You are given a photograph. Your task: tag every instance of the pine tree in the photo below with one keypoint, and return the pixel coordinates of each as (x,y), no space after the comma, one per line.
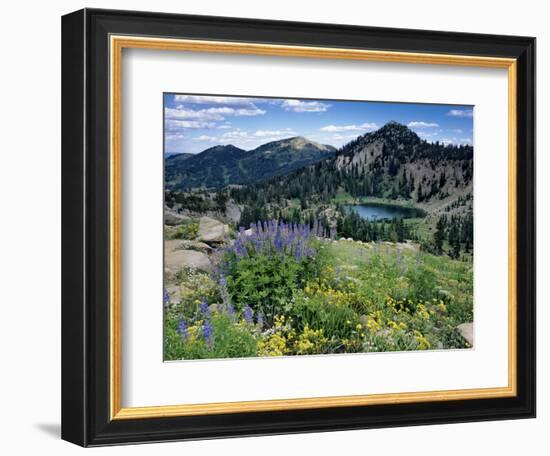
(439,235)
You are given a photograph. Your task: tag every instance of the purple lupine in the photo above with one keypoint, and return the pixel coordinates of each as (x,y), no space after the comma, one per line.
(183,330)
(298,253)
(166,297)
(230,309)
(225,296)
(274,237)
(247,314)
(204,310)
(278,244)
(208,332)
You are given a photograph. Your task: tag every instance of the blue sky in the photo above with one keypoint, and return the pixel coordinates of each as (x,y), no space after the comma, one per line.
(194,123)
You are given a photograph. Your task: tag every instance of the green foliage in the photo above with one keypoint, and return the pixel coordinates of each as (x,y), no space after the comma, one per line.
(194,286)
(350,298)
(229,339)
(187,231)
(265,283)
(316,312)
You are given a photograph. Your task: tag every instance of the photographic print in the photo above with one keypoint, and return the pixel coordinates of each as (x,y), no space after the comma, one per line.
(313,227)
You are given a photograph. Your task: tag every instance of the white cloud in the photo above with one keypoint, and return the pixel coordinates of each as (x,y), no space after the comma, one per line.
(420,124)
(235,134)
(425,135)
(304,106)
(181,113)
(461,113)
(205,138)
(340,128)
(227,111)
(174,125)
(203,99)
(341,137)
(273,133)
(175,136)
(211,113)
(248,112)
(225,126)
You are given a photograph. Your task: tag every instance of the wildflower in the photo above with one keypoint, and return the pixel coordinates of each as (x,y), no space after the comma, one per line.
(278,244)
(247,314)
(230,309)
(423,312)
(166,297)
(204,310)
(372,325)
(183,330)
(422,342)
(207,332)
(225,295)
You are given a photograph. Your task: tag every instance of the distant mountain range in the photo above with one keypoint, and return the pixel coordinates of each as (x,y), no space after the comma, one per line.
(219,166)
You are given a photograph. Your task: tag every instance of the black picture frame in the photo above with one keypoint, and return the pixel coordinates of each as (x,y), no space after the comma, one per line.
(85,225)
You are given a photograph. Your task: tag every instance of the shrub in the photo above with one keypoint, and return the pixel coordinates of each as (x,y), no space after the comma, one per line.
(263,268)
(188,231)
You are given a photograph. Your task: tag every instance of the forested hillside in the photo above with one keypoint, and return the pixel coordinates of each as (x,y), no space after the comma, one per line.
(391,163)
(225,165)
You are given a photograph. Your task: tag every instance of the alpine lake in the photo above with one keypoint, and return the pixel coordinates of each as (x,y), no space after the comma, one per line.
(381,211)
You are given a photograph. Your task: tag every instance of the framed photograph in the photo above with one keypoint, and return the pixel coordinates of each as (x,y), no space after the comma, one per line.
(279,227)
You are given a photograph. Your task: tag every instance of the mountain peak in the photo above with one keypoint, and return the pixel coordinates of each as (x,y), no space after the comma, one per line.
(395,127)
(298,143)
(222,148)
(393,133)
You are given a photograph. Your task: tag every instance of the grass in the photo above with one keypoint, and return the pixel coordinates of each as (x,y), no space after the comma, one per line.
(265,299)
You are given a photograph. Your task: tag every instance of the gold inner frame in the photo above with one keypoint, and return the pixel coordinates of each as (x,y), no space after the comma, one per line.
(117,44)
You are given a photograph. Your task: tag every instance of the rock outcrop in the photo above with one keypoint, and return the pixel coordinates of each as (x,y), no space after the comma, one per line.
(173,218)
(175,257)
(212,231)
(467,331)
